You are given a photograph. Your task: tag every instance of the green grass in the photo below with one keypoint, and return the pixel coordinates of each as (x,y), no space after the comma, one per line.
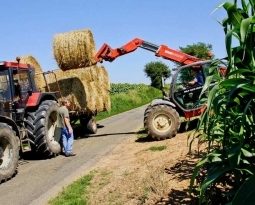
(77,193)
(129,100)
(157,148)
(74,194)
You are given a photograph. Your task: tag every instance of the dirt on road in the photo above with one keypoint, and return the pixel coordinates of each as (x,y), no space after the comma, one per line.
(144,171)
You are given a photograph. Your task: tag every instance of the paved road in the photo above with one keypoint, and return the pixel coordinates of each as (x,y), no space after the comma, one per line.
(39,180)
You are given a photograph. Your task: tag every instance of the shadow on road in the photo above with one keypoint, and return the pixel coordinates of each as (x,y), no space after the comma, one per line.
(108,134)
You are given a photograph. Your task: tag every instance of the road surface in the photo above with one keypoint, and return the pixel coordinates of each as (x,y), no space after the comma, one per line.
(38,181)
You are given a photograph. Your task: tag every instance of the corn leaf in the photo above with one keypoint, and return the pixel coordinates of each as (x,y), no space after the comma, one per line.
(210,179)
(246,194)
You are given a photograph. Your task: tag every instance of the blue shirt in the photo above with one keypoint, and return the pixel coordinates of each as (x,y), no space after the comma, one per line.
(199,79)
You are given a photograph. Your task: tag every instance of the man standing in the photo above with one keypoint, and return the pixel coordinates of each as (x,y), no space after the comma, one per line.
(66,129)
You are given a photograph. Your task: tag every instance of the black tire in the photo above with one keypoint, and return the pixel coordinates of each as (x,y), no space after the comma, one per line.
(47,136)
(89,124)
(161,122)
(9,153)
(148,109)
(29,123)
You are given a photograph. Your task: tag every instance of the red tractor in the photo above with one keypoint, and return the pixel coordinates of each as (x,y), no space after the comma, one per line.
(27,117)
(162,118)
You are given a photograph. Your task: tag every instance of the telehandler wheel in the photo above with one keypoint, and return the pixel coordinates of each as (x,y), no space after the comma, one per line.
(9,152)
(47,136)
(89,124)
(148,109)
(161,122)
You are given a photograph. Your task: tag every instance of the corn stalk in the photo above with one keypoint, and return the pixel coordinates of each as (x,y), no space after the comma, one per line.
(228,124)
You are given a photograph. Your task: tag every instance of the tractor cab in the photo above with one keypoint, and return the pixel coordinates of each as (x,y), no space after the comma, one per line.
(15,88)
(187,85)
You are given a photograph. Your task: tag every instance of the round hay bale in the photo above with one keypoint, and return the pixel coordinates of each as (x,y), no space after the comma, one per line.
(74,49)
(104,87)
(83,88)
(39,79)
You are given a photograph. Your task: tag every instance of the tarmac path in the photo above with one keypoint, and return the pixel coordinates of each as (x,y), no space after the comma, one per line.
(38,181)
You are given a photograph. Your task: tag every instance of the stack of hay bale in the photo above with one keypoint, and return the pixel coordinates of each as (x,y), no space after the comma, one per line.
(79,78)
(29,59)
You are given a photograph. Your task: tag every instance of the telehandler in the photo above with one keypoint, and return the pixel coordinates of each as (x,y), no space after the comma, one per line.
(162,118)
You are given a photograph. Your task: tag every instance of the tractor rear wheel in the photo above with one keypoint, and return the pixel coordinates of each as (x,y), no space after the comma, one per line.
(161,122)
(29,123)
(9,153)
(47,136)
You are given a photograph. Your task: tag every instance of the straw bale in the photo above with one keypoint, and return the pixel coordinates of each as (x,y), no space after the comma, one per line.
(104,87)
(39,79)
(74,49)
(83,88)
(3,82)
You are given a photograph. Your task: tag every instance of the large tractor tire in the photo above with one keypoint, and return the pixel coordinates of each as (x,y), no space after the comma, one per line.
(46,134)
(90,124)
(9,152)
(29,123)
(161,122)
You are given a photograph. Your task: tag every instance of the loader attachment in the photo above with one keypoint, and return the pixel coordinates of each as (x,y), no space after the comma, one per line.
(104,54)
(108,54)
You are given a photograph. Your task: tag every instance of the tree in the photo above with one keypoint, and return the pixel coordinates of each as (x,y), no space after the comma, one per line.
(199,50)
(155,70)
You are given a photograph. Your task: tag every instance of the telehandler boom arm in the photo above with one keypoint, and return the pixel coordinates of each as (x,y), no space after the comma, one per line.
(108,54)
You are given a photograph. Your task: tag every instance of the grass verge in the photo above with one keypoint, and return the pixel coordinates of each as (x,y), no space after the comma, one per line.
(129,100)
(78,192)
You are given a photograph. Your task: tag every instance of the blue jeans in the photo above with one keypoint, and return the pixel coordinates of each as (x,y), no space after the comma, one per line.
(67,140)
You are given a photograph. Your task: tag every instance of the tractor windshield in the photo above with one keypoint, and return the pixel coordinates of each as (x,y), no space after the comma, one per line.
(5,91)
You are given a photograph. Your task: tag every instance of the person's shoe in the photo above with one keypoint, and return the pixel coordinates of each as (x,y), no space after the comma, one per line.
(71,154)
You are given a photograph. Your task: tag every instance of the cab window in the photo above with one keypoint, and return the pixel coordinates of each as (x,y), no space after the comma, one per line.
(5,93)
(24,82)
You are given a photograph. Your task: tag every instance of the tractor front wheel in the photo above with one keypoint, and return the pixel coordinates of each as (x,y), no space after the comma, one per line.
(9,152)
(161,122)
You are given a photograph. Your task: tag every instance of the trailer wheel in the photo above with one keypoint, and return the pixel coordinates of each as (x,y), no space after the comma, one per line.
(47,136)
(89,124)
(161,122)
(9,153)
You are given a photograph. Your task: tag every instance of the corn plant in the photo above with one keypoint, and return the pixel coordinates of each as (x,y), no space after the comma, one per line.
(228,125)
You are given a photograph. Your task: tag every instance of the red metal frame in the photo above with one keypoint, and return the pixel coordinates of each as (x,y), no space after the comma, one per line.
(33,99)
(17,65)
(108,54)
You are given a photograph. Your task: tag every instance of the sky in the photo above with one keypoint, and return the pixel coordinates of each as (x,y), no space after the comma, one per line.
(28,27)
